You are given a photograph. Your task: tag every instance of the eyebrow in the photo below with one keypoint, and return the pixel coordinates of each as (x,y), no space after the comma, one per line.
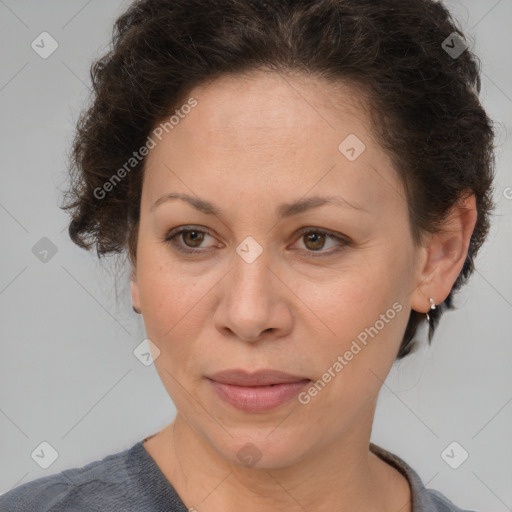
(283,211)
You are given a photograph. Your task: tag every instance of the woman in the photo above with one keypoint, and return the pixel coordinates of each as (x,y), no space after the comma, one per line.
(298,186)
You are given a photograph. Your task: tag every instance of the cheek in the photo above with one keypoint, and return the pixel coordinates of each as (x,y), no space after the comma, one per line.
(168,303)
(173,306)
(167,291)
(363,312)
(352,298)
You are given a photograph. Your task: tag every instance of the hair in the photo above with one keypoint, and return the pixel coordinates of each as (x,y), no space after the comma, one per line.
(423,102)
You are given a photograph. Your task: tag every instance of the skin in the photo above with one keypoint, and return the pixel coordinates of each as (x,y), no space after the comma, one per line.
(252,143)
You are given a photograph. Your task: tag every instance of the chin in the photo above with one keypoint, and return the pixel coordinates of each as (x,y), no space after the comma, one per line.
(269,448)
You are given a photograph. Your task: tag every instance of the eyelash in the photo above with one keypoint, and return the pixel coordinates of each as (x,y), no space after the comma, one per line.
(174,233)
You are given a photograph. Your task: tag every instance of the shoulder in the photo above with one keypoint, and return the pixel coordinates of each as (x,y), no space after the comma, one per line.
(99,484)
(423,499)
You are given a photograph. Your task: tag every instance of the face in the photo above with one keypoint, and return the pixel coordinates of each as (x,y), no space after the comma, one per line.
(321,293)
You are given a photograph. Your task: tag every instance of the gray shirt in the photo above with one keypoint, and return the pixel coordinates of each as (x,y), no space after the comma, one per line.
(131,481)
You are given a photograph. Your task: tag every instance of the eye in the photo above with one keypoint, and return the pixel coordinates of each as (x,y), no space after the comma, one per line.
(315,238)
(190,236)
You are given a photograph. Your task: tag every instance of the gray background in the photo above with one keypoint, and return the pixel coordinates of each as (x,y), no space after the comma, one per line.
(68,375)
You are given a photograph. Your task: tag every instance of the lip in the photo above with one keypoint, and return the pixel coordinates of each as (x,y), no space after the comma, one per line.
(256,392)
(238,377)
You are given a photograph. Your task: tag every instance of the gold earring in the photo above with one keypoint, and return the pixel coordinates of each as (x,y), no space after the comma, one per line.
(432,306)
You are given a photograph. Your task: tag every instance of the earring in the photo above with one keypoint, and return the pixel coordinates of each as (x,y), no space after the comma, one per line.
(432,306)
(136,310)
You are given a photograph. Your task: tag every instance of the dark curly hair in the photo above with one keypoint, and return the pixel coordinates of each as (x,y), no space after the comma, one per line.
(423,102)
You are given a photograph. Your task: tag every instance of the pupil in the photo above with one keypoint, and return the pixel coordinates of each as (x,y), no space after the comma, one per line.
(194,235)
(316,237)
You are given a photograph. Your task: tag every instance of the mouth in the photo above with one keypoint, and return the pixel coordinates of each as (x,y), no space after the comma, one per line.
(238,377)
(259,391)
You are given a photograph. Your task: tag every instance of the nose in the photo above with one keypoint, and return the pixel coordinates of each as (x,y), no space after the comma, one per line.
(254,303)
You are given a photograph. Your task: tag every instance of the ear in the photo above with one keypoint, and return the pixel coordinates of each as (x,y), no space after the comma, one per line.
(444,255)
(135,289)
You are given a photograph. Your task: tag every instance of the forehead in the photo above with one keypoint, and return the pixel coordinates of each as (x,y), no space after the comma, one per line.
(260,109)
(268,133)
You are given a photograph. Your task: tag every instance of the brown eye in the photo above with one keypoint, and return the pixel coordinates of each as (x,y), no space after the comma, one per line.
(192,238)
(314,240)
(187,240)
